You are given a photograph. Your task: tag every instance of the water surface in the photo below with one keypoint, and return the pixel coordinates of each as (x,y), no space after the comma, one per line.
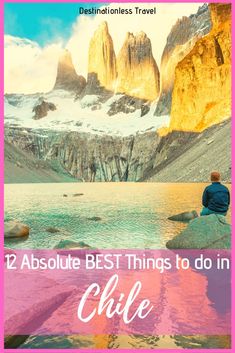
(132,215)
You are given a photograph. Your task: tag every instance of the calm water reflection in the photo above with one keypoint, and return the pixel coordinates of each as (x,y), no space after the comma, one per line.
(132,215)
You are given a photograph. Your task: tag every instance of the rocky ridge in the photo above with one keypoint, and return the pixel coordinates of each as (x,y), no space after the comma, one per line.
(180,42)
(192,157)
(202,89)
(134,72)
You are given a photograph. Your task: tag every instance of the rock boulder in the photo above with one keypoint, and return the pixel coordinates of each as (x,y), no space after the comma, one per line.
(70,244)
(207,232)
(42,108)
(52,230)
(15,229)
(184,217)
(95,218)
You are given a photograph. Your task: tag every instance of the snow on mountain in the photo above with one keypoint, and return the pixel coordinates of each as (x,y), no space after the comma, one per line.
(20,42)
(75,115)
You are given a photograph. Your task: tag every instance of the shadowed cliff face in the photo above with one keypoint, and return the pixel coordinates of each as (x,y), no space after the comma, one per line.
(202,89)
(106,158)
(90,157)
(180,42)
(67,77)
(138,74)
(101,61)
(140,157)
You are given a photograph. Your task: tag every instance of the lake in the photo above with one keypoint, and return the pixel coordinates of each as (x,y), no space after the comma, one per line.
(129,215)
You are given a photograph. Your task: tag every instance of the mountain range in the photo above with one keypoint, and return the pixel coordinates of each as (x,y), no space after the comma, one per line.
(127,119)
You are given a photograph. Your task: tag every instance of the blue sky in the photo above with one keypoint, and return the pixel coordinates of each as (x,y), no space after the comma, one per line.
(42,22)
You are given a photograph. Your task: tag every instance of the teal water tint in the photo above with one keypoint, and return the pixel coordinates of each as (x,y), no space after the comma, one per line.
(133,215)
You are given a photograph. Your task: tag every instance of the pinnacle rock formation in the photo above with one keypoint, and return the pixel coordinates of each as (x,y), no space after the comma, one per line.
(180,42)
(138,74)
(101,61)
(202,88)
(67,78)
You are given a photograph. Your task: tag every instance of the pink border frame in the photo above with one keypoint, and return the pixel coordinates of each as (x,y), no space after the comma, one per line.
(2,190)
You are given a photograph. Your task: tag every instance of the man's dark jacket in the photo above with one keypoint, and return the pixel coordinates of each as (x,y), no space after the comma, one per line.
(216,197)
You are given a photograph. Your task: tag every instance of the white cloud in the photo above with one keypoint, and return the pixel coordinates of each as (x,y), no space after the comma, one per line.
(30,68)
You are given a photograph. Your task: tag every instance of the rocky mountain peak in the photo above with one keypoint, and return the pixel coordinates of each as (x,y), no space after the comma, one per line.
(103,27)
(138,74)
(129,36)
(202,89)
(101,61)
(181,39)
(67,78)
(65,59)
(141,35)
(185,28)
(138,46)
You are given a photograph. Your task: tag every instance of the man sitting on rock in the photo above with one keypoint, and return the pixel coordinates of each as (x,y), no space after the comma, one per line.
(216,197)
